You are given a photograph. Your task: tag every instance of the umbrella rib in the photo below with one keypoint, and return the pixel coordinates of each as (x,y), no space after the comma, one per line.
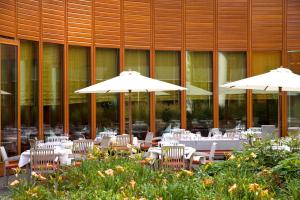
(266,88)
(107,91)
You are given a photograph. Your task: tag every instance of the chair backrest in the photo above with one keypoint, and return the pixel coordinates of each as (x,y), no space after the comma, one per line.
(213,132)
(82,146)
(122,140)
(32,143)
(3,154)
(43,160)
(148,139)
(172,156)
(105,142)
(212,151)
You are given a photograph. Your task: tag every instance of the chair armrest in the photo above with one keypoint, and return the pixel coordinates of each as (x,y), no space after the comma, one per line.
(13,158)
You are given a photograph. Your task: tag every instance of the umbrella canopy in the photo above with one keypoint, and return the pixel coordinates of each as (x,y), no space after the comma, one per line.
(270,81)
(280,79)
(2,92)
(130,81)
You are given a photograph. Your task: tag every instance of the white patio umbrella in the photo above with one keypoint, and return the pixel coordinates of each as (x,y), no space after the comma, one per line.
(2,92)
(130,81)
(280,79)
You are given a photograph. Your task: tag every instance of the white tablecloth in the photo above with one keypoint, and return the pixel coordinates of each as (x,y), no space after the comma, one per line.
(63,156)
(155,152)
(222,144)
(64,145)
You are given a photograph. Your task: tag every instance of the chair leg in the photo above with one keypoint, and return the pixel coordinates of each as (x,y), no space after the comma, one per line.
(6,176)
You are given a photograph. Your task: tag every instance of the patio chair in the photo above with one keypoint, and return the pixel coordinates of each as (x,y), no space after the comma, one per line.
(57,138)
(172,157)
(43,161)
(121,142)
(9,163)
(147,143)
(197,157)
(81,148)
(105,142)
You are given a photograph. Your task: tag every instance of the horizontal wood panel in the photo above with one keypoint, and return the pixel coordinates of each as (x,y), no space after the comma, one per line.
(293,24)
(80,21)
(267,24)
(168,30)
(199,24)
(107,23)
(232,24)
(29,19)
(54,20)
(137,23)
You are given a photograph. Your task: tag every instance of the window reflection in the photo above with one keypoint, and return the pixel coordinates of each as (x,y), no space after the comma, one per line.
(138,60)
(28,92)
(107,63)
(9,131)
(265,104)
(167,68)
(199,91)
(232,103)
(79,109)
(294,97)
(52,89)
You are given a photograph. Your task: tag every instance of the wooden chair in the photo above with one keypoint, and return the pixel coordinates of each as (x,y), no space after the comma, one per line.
(172,157)
(43,161)
(9,163)
(32,143)
(121,142)
(81,148)
(48,145)
(105,142)
(57,138)
(147,143)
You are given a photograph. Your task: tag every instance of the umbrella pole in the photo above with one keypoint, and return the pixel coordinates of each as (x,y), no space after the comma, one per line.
(129,117)
(279,112)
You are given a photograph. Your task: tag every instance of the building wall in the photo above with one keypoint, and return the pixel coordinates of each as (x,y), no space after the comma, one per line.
(181,25)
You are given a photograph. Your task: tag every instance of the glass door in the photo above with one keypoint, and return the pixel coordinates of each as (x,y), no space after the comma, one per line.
(9,98)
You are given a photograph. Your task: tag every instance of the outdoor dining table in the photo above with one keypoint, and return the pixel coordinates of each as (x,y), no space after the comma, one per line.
(223,144)
(63,156)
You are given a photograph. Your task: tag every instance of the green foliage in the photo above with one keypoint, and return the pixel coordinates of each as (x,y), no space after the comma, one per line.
(258,173)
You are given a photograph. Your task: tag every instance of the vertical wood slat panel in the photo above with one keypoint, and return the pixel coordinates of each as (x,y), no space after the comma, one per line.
(199,24)
(137,23)
(232,24)
(7,18)
(168,32)
(28,19)
(53,15)
(267,24)
(80,21)
(293,24)
(107,23)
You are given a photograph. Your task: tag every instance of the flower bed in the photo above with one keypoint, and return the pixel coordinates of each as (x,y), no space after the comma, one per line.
(257,173)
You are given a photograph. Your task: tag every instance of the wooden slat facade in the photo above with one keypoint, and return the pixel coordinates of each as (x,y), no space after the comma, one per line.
(293,25)
(267,24)
(232,25)
(178,25)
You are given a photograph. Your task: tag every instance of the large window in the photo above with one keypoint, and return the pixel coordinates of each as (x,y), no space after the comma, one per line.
(232,103)
(107,62)
(29,91)
(79,77)
(52,89)
(265,104)
(294,97)
(199,103)
(167,68)
(138,60)
(9,85)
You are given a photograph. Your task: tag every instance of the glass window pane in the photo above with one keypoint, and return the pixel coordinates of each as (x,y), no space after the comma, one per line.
(294,97)
(52,89)
(232,103)
(107,117)
(167,68)
(29,91)
(79,77)
(199,105)
(138,60)
(265,104)
(9,98)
